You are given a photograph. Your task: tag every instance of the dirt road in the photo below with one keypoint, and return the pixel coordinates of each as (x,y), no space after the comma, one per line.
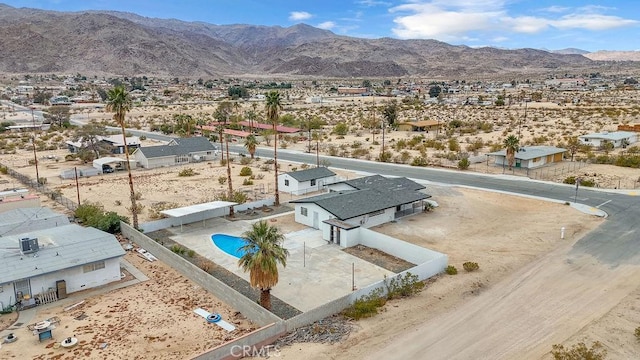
(544,303)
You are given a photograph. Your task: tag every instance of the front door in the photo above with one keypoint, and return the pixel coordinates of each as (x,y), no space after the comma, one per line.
(316,224)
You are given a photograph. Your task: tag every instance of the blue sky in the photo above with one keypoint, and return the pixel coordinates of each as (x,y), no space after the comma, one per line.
(542,24)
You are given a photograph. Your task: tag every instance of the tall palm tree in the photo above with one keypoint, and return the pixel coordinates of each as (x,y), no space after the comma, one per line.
(512,145)
(119,103)
(262,253)
(229,180)
(251,143)
(273,107)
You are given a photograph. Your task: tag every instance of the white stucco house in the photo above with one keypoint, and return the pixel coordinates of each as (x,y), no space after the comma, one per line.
(176,152)
(363,202)
(306,181)
(58,259)
(530,157)
(619,139)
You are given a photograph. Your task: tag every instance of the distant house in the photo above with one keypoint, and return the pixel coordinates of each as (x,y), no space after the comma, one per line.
(421,126)
(57,260)
(530,157)
(364,202)
(59,100)
(306,181)
(617,138)
(176,152)
(114,143)
(352,90)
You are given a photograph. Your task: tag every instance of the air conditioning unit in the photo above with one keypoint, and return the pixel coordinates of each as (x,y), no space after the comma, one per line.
(29,245)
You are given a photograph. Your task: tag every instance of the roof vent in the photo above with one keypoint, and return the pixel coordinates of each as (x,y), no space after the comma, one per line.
(28,246)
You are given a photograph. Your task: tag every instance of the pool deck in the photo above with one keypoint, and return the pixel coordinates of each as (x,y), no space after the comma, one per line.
(316,272)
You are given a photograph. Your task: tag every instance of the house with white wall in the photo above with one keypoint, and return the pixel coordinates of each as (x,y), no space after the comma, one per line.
(619,139)
(530,157)
(62,259)
(114,143)
(363,202)
(306,181)
(176,152)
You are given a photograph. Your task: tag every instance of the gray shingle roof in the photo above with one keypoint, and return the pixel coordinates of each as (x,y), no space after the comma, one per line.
(176,147)
(61,248)
(531,152)
(18,221)
(352,203)
(311,174)
(383,183)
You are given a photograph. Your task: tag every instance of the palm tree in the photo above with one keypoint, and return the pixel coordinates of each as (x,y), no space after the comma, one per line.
(229,180)
(262,253)
(251,143)
(273,107)
(511,144)
(119,103)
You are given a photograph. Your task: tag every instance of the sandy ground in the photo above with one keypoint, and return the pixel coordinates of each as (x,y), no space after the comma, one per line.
(149,320)
(526,297)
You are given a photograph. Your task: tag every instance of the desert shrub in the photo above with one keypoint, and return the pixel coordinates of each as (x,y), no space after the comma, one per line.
(93,215)
(187,172)
(464,164)
(385,156)
(471,266)
(260,176)
(4,170)
(223,162)
(42,180)
(366,306)
(419,161)
(245,160)
(451,270)
(403,286)
(178,249)
(247,182)
(191,253)
(222,180)
(237,197)
(245,171)
(138,195)
(579,351)
(155,209)
(205,265)
(570,180)
(637,333)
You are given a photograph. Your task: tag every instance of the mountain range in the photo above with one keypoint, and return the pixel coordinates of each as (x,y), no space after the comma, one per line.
(118,43)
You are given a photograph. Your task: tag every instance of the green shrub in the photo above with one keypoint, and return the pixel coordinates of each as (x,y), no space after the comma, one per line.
(464,164)
(637,333)
(222,180)
(366,306)
(191,253)
(579,351)
(187,172)
(246,171)
(570,180)
(245,160)
(178,249)
(93,215)
(247,182)
(451,270)
(403,286)
(4,170)
(470,266)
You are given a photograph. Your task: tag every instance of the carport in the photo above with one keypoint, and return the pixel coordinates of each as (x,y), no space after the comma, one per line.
(198,212)
(98,163)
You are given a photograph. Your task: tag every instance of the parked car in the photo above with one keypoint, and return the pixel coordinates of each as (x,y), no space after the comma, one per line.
(107,169)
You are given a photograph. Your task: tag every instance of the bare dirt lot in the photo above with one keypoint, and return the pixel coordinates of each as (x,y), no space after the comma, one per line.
(149,320)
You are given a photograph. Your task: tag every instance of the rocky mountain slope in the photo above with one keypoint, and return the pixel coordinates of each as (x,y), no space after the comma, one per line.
(127,44)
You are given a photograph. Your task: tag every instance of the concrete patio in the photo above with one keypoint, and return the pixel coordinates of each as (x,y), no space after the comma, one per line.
(316,272)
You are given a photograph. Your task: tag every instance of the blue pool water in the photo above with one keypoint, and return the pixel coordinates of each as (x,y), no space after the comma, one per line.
(229,244)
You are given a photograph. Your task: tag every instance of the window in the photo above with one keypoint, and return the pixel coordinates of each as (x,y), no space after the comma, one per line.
(93,266)
(303,211)
(313,182)
(286,182)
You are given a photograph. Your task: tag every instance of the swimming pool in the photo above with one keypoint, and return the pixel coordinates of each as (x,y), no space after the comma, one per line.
(229,244)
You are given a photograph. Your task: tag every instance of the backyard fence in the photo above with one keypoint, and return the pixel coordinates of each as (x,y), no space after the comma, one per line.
(42,188)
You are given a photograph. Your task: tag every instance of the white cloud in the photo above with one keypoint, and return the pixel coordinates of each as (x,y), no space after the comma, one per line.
(327,25)
(299,15)
(459,20)
(371,3)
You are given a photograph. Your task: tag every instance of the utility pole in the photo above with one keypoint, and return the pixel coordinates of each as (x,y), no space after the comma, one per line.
(525,118)
(77,185)
(317,149)
(35,156)
(382,153)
